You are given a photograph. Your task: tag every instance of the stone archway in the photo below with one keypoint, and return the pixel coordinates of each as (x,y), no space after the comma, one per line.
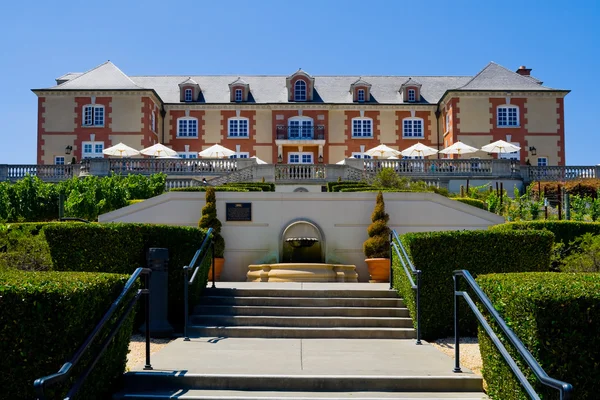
(302,241)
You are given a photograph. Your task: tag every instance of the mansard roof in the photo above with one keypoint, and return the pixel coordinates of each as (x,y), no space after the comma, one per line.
(238,82)
(360,82)
(327,89)
(411,82)
(188,82)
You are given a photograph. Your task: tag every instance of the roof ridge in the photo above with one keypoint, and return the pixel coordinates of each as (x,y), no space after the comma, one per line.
(323,76)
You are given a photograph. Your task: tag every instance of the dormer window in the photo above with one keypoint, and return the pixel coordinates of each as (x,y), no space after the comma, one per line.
(188,95)
(361,95)
(412,95)
(239,90)
(238,95)
(300,90)
(189,91)
(410,91)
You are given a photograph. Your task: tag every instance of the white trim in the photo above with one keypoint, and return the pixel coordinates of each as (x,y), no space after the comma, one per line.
(508,118)
(298,89)
(413,128)
(241,154)
(94,116)
(235,95)
(188,127)
(300,155)
(95,149)
(59,158)
(239,122)
(360,155)
(191,95)
(362,125)
(358,95)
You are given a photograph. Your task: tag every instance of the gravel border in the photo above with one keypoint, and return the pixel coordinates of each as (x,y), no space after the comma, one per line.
(470,356)
(137,350)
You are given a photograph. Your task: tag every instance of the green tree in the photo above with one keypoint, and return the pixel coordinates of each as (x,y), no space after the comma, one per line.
(209,220)
(388,178)
(378,244)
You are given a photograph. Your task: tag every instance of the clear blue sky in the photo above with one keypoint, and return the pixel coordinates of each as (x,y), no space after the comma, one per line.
(41,40)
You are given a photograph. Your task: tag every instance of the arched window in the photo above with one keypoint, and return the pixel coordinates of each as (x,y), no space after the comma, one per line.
(300,90)
(508,115)
(300,128)
(237,127)
(412,128)
(362,127)
(187,127)
(93,115)
(188,95)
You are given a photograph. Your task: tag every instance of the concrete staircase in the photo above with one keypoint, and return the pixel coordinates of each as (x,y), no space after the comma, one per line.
(336,341)
(268,313)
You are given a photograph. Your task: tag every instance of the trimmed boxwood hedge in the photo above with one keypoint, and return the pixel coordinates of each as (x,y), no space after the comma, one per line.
(264,186)
(437,254)
(44,317)
(336,186)
(472,202)
(564,231)
(557,317)
(121,248)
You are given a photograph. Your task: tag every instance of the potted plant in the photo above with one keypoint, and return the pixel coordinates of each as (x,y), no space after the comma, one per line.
(209,220)
(377,246)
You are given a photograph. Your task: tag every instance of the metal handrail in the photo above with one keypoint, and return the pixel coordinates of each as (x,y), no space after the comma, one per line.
(565,389)
(65,371)
(396,245)
(208,241)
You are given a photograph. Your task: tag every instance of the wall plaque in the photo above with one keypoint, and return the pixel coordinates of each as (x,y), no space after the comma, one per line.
(238,211)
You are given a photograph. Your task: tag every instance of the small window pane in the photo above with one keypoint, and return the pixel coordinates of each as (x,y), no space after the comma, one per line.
(238,94)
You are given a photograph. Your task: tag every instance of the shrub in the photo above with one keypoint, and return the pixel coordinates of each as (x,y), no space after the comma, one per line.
(580,187)
(209,219)
(437,254)
(130,202)
(557,317)
(45,316)
(388,178)
(585,256)
(336,186)
(264,186)
(472,202)
(378,243)
(564,231)
(121,248)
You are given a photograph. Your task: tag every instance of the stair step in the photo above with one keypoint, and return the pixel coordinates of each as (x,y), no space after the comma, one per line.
(270,395)
(303,301)
(303,311)
(305,322)
(172,381)
(301,332)
(300,293)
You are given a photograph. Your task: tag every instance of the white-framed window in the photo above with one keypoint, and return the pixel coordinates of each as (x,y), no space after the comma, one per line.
(59,160)
(412,95)
(238,95)
(187,127)
(515,155)
(300,128)
(238,127)
(362,127)
(542,161)
(300,158)
(188,95)
(508,115)
(93,115)
(92,149)
(447,122)
(413,157)
(412,128)
(153,121)
(360,95)
(241,154)
(300,90)
(187,154)
(360,155)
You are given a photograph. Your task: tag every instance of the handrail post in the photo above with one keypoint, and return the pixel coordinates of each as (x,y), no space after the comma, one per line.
(418,307)
(147,287)
(456,333)
(186,338)
(212,245)
(391,259)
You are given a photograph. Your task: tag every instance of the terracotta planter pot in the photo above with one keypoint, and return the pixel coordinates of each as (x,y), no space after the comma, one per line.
(219,262)
(379,269)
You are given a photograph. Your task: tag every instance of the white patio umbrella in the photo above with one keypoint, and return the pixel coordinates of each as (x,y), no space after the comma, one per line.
(500,146)
(121,150)
(159,150)
(216,151)
(459,148)
(258,160)
(418,150)
(382,151)
(393,158)
(169,157)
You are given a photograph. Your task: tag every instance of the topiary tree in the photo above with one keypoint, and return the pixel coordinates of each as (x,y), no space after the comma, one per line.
(378,243)
(209,220)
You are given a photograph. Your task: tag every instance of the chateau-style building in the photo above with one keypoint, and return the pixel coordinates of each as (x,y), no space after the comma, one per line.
(300,118)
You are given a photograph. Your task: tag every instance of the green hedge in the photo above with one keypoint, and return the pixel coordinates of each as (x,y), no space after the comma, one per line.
(44,317)
(217,189)
(557,317)
(336,186)
(121,248)
(472,202)
(564,231)
(437,254)
(264,186)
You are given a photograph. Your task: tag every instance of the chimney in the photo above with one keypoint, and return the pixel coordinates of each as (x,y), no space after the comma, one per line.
(523,70)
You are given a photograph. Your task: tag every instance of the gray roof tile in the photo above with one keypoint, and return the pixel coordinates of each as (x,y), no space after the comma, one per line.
(496,77)
(105,76)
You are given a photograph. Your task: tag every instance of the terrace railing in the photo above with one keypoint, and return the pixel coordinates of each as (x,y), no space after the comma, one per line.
(535,173)
(436,167)
(304,172)
(300,132)
(46,172)
(192,166)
